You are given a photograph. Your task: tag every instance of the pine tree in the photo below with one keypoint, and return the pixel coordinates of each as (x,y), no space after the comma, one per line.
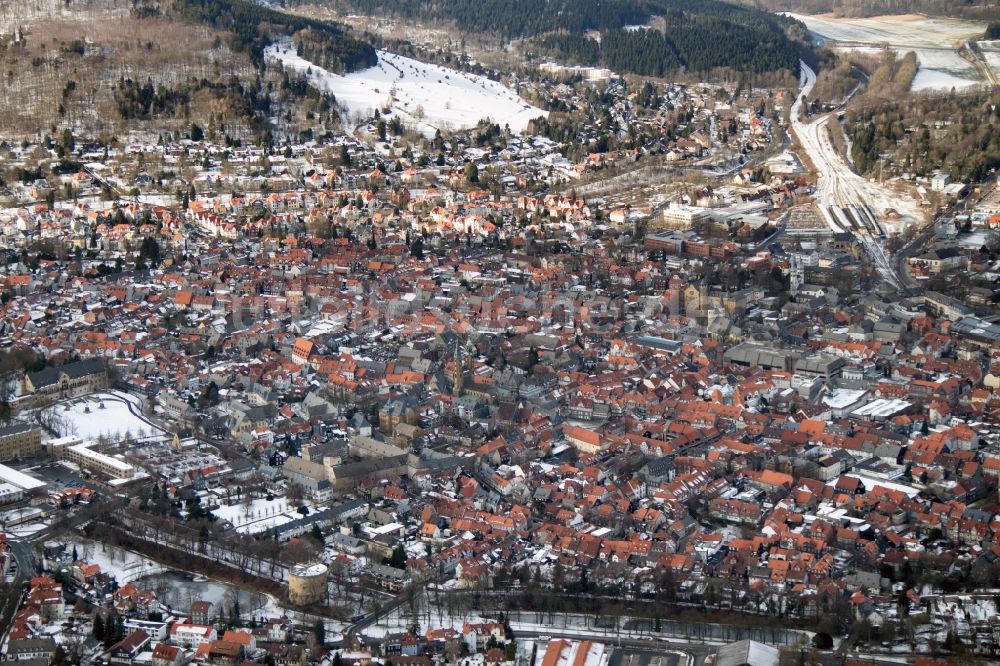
(398,559)
(472,172)
(319,631)
(98,630)
(317,534)
(417,249)
(110,630)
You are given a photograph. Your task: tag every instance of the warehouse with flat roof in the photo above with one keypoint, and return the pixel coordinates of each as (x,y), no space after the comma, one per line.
(25,482)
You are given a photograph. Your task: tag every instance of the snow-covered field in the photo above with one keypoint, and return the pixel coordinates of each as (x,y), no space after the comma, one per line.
(936,42)
(991,54)
(125,565)
(260,515)
(908,30)
(426,97)
(943,69)
(86,418)
(936,79)
(178,590)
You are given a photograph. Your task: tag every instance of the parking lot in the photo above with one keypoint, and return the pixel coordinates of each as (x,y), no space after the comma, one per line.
(624,657)
(59,475)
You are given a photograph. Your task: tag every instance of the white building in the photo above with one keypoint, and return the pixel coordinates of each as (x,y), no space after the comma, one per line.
(678,214)
(192,635)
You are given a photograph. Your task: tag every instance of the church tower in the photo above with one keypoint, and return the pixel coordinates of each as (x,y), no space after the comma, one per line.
(457,372)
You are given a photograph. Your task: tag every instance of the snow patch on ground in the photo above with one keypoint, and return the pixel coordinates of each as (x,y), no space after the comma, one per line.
(426,97)
(28,530)
(965,614)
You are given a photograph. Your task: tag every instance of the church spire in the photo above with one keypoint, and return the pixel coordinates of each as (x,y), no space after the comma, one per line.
(457,371)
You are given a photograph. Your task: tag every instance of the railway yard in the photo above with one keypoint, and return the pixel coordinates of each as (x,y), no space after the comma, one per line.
(846,201)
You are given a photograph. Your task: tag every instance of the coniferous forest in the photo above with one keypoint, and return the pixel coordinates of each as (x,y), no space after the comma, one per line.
(696,37)
(957,134)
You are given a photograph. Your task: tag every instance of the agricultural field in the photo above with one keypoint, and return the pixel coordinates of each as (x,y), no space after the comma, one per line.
(910,31)
(944,69)
(936,41)
(991,54)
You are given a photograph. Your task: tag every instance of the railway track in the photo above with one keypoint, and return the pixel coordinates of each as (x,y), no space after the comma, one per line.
(842,196)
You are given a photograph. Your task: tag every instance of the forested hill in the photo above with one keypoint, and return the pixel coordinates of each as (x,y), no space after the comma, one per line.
(972,9)
(691,41)
(697,36)
(253,26)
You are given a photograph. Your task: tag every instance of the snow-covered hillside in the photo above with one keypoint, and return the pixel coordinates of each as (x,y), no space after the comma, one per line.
(427,97)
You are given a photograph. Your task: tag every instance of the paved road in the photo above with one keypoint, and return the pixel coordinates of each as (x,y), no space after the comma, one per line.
(27,567)
(27,561)
(909,250)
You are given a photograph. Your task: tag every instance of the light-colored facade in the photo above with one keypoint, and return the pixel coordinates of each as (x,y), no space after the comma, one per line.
(19,440)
